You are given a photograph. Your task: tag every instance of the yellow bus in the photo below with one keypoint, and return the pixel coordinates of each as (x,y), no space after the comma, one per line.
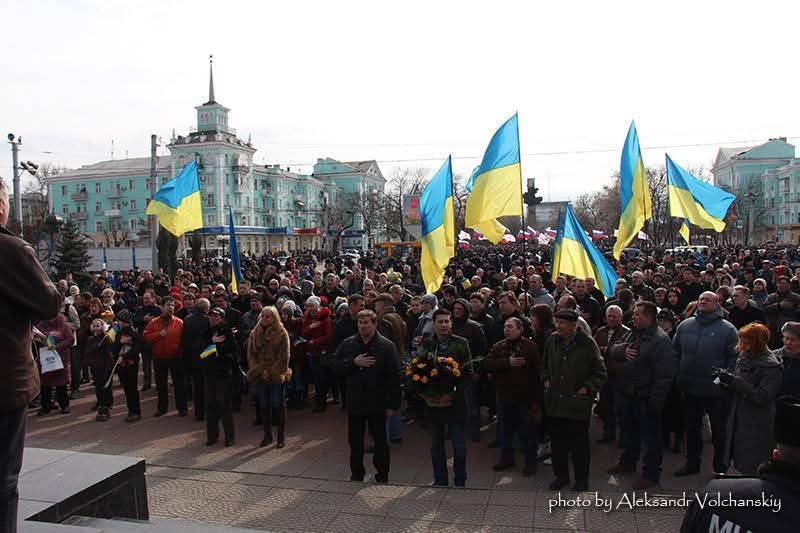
(389,249)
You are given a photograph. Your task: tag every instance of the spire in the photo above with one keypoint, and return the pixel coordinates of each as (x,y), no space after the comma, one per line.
(211,80)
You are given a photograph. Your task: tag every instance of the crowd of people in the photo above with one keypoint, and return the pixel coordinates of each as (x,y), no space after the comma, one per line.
(685,338)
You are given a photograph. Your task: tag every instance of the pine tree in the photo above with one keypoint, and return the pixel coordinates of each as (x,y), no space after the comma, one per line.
(71,253)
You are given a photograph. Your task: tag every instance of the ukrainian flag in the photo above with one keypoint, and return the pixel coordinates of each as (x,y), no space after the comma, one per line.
(438,227)
(209,350)
(236,268)
(684,230)
(496,184)
(177,205)
(696,201)
(575,255)
(635,204)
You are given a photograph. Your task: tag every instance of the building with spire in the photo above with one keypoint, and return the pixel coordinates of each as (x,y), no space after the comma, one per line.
(273,208)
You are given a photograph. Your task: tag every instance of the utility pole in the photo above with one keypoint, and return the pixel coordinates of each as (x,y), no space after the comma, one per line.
(15,179)
(153,188)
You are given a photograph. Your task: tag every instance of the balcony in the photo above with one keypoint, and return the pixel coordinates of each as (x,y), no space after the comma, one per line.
(79,196)
(116,193)
(300,199)
(241,188)
(266,192)
(79,215)
(113,213)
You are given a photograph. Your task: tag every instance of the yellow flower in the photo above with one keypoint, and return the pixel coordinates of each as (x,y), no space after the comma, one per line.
(434,373)
(415,378)
(454,364)
(457,373)
(424,379)
(414,361)
(408,372)
(450,360)
(421,365)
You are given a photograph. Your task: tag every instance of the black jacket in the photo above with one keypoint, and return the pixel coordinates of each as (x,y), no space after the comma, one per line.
(742,317)
(779,481)
(195,337)
(224,362)
(649,375)
(369,389)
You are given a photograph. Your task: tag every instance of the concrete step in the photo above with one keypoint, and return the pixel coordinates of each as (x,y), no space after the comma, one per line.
(29,526)
(125,525)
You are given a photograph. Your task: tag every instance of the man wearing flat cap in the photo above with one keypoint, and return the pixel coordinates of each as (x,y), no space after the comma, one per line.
(776,490)
(572,374)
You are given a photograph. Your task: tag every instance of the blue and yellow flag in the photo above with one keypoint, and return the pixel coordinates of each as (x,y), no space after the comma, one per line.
(696,201)
(209,350)
(684,230)
(635,204)
(575,255)
(438,227)
(236,267)
(177,205)
(496,184)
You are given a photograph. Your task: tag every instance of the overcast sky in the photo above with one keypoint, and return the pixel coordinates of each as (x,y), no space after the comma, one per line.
(403,80)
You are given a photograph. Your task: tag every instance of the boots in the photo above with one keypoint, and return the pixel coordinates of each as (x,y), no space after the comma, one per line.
(279,418)
(265,417)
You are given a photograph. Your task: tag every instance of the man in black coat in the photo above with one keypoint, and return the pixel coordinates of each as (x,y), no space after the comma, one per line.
(744,310)
(370,363)
(345,327)
(194,341)
(645,365)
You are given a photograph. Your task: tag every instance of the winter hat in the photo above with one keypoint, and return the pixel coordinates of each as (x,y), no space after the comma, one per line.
(124,316)
(307,286)
(313,301)
(430,299)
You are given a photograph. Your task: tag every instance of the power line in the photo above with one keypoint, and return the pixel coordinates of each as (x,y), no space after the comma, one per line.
(472,157)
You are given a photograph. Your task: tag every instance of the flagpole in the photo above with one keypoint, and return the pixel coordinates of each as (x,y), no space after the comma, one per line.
(521,193)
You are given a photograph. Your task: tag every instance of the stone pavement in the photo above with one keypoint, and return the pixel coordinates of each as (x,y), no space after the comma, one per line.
(305,487)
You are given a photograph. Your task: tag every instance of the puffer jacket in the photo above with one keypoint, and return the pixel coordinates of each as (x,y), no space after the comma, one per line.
(703,342)
(168,347)
(317,331)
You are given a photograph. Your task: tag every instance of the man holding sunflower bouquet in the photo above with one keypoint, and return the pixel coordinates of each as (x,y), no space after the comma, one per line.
(439,373)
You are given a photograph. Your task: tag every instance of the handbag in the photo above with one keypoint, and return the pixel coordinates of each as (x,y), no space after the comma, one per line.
(51,361)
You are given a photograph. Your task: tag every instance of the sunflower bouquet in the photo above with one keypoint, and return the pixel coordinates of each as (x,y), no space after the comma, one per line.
(433,377)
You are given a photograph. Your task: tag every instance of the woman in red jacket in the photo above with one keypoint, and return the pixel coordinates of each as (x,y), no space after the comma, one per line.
(317,329)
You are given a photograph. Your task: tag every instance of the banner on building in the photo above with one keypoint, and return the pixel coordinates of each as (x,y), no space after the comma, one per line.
(411,218)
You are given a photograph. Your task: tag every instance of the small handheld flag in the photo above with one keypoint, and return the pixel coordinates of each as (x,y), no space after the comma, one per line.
(51,342)
(209,350)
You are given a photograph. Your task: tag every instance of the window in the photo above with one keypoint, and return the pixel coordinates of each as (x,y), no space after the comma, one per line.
(134,224)
(133,205)
(99,225)
(97,188)
(83,227)
(131,185)
(65,209)
(63,190)
(97,207)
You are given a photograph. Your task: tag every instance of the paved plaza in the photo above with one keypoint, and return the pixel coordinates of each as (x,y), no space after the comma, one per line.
(305,487)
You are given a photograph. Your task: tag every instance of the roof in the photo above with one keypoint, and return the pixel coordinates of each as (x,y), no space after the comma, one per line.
(727,153)
(133,165)
(360,166)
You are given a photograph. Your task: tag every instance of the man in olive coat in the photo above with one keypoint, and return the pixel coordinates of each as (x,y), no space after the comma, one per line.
(572,374)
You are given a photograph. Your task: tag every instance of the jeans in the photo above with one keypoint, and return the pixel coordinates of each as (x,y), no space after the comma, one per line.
(394,425)
(640,425)
(717,410)
(103,394)
(269,395)
(12,443)
(147,364)
(320,376)
(175,368)
(474,407)
(128,376)
(567,436)
(514,417)
(439,456)
(217,396)
(356,424)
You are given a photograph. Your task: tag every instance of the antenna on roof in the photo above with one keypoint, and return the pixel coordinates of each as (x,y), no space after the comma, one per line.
(112,149)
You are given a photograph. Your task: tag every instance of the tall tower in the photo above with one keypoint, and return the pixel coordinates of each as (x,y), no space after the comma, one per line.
(211,116)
